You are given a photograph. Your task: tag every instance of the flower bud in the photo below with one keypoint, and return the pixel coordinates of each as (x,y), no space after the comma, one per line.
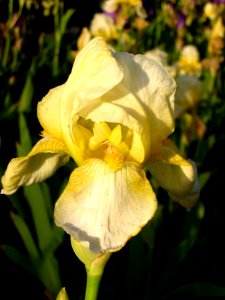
(62,295)
(94,262)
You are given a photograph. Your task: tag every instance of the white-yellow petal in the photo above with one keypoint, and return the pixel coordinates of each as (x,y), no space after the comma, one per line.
(103,207)
(44,159)
(48,112)
(190,199)
(106,111)
(137,151)
(113,113)
(175,174)
(101,133)
(104,26)
(188,93)
(95,72)
(158,54)
(154,90)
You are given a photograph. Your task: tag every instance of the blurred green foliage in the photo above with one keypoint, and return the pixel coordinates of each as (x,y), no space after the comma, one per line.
(178,254)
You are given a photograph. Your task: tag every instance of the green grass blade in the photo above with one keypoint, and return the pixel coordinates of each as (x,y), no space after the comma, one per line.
(25,140)
(199,290)
(20,259)
(26,236)
(27,92)
(49,274)
(40,216)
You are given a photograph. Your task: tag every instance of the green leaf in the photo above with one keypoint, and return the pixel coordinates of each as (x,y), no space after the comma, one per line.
(65,19)
(27,92)
(203,178)
(47,196)
(25,140)
(199,290)
(189,231)
(48,274)
(20,259)
(26,236)
(42,220)
(18,204)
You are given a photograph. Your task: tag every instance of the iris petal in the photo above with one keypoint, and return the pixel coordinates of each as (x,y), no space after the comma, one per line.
(44,159)
(175,174)
(95,71)
(105,207)
(154,89)
(48,112)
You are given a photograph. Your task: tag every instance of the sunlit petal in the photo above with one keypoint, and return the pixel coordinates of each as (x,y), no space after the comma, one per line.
(101,133)
(154,89)
(190,199)
(95,71)
(175,174)
(44,159)
(48,112)
(105,207)
(143,101)
(113,113)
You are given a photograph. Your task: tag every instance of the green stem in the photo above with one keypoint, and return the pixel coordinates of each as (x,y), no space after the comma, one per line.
(57,40)
(92,286)
(8,39)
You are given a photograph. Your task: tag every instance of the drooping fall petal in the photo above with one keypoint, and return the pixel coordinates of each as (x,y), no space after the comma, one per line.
(190,199)
(44,159)
(176,175)
(105,207)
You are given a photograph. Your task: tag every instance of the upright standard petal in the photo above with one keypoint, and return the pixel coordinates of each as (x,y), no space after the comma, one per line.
(105,207)
(154,89)
(95,71)
(143,101)
(48,112)
(44,159)
(176,175)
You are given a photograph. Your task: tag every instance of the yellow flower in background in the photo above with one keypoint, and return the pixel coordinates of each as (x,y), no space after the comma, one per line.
(211,11)
(189,61)
(218,30)
(189,87)
(111,6)
(103,26)
(188,93)
(84,38)
(112,116)
(216,39)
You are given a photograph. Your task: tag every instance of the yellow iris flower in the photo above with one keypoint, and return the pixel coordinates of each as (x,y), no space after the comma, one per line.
(103,25)
(112,116)
(189,61)
(113,6)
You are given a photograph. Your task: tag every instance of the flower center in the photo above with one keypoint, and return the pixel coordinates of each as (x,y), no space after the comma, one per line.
(108,145)
(115,156)
(113,143)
